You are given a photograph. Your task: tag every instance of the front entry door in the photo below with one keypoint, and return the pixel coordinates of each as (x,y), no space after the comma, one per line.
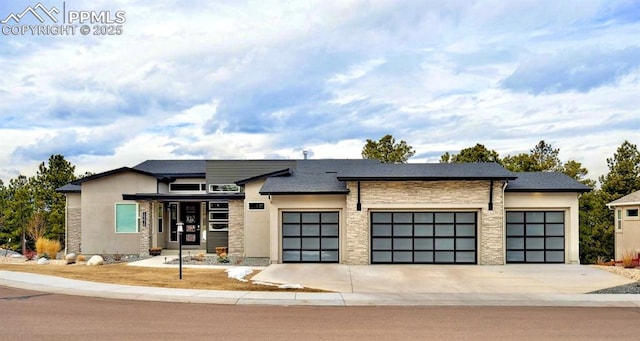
(190,216)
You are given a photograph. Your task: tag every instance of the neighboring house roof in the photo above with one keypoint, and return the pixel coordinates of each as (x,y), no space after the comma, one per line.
(545,182)
(174,168)
(427,171)
(627,200)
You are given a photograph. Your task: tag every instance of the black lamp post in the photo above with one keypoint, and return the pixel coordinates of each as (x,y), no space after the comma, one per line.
(180,230)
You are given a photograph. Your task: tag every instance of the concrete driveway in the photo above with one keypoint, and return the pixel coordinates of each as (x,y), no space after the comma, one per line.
(489,279)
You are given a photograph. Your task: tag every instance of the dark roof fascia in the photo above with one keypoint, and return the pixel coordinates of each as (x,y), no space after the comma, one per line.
(282,172)
(548,190)
(181,197)
(305,193)
(423,178)
(112,172)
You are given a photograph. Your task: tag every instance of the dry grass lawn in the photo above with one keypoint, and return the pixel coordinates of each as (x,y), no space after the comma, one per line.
(208,279)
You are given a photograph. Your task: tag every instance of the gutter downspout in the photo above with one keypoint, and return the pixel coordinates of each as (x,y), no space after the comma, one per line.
(359,204)
(504,224)
(491,195)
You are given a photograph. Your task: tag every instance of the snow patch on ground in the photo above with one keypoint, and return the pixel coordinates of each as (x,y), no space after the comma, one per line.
(280,286)
(239,272)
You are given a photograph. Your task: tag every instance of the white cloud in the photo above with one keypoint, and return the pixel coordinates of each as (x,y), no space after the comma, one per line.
(253,79)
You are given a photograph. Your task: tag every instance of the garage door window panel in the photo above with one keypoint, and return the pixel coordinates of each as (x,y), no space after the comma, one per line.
(403,230)
(444,244)
(330,230)
(444,257)
(381,257)
(444,217)
(421,217)
(403,256)
(423,244)
(465,244)
(468,257)
(381,230)
(381,244)
(421,230)
(402,244)
(445,230)
(423,257)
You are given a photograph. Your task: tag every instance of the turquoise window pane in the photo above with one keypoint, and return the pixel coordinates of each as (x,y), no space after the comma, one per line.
(126,218)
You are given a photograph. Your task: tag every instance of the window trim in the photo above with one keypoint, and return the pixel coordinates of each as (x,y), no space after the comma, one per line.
(213,218)
(212,229)
(628,216)
(115,218)
(619,219)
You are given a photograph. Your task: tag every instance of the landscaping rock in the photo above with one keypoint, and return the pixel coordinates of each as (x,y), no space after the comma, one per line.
(43,261)
(70,258)
(95,260)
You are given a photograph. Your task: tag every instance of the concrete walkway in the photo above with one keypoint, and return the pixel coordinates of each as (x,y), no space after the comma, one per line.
(526,285)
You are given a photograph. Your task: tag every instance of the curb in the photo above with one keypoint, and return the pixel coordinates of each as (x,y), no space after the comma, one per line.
(57,285)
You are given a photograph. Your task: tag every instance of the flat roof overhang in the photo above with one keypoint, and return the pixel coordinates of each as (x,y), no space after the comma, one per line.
(181,197)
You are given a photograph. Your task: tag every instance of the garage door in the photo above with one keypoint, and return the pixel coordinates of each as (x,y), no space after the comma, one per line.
(423,237)
(310,237)
(535,237)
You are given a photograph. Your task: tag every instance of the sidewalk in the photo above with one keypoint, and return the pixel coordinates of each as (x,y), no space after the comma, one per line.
(65,286)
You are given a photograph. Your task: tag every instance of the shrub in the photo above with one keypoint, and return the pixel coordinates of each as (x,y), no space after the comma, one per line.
(117,257)
(50,247)
(627,260)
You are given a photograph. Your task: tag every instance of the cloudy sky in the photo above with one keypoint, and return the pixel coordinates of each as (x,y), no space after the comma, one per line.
(268,79)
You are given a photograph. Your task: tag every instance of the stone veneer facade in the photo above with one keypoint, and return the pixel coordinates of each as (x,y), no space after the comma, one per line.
(74,230)
(236,228)
(145,231)
(425,195)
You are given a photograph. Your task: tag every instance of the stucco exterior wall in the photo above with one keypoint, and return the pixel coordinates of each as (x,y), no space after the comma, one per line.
(256,222)
(425,195)
(73,223)
(567,202)
(315,203)
(627,237)
(98,200)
